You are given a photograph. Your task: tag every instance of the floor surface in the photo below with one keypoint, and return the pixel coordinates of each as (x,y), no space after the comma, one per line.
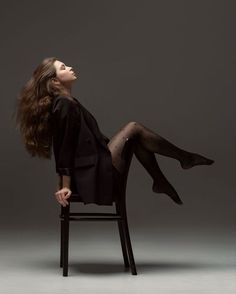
(166,262)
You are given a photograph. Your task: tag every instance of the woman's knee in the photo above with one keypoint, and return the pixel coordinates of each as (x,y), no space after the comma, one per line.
(133,128)
(133,124)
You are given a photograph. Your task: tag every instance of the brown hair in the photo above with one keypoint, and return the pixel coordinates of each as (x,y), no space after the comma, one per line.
(33,109)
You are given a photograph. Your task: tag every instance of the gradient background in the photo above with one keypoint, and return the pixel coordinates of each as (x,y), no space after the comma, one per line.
(168,64)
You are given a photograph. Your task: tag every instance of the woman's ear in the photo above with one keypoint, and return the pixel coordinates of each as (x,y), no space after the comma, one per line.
(55,81)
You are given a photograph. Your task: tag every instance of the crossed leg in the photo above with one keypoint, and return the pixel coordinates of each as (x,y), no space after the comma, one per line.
(146,143)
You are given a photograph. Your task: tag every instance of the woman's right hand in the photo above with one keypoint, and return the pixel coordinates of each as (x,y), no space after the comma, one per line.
(62,195)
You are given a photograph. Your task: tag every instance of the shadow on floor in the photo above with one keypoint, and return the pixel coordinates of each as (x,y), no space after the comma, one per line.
(118,267)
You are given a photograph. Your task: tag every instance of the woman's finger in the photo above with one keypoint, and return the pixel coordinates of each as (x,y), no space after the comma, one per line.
(60,198)
(66,202)
(65,196)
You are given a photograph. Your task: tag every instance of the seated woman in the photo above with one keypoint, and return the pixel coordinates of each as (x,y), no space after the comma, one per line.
(87,162)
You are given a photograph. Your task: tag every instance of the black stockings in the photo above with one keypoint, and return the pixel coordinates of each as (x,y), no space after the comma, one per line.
(146,143)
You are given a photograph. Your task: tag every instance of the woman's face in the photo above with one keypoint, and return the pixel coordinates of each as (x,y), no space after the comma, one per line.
(64,73)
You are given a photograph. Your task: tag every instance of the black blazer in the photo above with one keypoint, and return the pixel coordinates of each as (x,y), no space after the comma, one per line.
(80,151)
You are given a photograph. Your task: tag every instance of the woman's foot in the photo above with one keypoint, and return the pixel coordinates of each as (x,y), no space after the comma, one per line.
(163,186)
(192,159)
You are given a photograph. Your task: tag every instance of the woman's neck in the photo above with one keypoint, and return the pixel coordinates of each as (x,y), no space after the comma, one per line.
(67,90)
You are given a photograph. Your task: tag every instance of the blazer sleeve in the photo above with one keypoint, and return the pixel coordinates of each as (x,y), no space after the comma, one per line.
(106,138)
(66,125)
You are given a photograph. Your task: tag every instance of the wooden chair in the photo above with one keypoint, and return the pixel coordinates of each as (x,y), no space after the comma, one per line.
(120,216)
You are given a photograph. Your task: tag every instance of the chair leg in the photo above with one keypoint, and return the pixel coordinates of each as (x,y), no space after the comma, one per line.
(65,239)
(127,237)
(123,245)
(61,243)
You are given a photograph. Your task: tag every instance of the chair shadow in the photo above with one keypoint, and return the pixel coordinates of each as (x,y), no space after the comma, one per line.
(101,268)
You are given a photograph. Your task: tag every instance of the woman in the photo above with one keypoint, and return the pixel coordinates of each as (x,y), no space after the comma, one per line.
(85,158)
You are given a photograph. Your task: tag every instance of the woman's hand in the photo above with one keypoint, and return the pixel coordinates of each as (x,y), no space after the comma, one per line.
(62,195)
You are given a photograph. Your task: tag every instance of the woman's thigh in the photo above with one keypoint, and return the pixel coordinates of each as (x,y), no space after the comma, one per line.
(118,144)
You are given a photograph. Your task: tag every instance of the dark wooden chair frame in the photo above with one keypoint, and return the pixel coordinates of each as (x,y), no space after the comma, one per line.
(120,216)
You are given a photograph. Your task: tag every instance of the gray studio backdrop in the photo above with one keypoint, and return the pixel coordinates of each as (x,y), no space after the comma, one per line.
(167,64)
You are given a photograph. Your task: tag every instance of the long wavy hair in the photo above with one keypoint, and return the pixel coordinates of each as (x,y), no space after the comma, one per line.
(32,114)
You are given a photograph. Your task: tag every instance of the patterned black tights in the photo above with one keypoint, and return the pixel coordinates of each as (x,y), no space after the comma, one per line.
(146,143)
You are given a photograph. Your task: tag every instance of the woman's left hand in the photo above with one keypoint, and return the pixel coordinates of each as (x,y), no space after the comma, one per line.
(62,195)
